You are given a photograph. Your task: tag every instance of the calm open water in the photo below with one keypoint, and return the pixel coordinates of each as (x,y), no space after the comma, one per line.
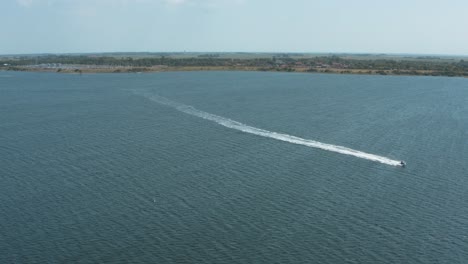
(92,170)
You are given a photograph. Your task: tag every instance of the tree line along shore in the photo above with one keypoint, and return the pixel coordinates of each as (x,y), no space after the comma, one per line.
(426,66)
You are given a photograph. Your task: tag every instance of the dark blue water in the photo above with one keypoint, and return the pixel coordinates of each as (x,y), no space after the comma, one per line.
(90,171)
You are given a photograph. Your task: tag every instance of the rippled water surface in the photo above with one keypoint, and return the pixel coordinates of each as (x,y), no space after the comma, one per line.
(93,170)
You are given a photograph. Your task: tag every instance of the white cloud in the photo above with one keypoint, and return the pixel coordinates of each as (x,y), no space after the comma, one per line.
(30,3)
(204,3)
(176,2)
(94,3)
(25,3)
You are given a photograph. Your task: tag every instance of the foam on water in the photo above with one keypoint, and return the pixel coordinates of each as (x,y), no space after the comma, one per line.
(226,122)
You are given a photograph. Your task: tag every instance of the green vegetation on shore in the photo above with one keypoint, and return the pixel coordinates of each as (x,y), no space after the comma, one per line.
(396,65)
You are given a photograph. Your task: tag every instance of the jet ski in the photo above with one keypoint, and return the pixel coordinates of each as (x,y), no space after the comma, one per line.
(402,164)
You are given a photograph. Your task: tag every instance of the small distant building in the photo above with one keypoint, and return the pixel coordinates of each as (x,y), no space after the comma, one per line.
(322,65)
(6,64)
(339,65)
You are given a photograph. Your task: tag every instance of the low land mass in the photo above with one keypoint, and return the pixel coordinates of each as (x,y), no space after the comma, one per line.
(381,64)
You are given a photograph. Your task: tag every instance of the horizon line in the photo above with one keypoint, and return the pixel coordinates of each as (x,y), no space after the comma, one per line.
(237,52)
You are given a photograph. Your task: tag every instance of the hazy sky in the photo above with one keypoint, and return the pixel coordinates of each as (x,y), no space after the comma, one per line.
(376,26)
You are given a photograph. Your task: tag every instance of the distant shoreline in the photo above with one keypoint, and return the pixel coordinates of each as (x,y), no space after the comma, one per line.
(91,70)
(336,64)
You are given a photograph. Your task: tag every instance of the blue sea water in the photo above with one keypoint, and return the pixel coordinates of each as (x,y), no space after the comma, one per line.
(92,170)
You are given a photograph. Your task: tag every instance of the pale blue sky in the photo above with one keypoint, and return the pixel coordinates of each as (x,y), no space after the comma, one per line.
(396,26)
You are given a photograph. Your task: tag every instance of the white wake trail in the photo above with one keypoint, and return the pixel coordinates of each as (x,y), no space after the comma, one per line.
(226,122)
